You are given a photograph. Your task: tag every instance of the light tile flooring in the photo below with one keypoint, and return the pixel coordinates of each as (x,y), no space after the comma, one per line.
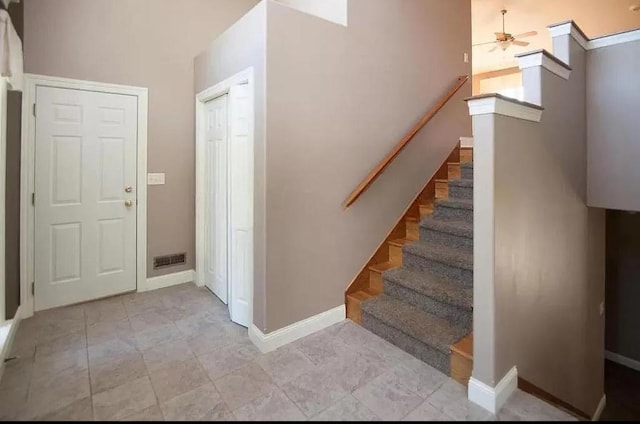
(173,354)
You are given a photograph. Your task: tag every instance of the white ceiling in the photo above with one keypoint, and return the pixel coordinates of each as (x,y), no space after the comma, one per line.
(594,17)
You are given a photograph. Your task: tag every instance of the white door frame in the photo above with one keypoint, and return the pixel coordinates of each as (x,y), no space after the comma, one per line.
(27,176)
(243,77)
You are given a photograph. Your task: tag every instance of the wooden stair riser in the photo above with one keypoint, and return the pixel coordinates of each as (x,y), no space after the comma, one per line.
(454,170)
(395,251)
(375,281)
(461,368)
(354,313)
(354,301)
(425,210)
(413,229)
(466,154)
(395,254)
(462,359)
(442,189)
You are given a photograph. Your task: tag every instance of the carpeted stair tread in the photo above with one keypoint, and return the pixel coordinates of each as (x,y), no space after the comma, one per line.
(442,254)
(465,204)
(466,170)
(456,228)
(432,286)
(436,332)
(462,182)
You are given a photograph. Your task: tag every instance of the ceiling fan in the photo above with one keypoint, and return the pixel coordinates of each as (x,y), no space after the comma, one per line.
(504,40)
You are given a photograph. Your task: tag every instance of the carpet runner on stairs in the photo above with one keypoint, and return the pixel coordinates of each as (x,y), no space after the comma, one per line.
(427,304)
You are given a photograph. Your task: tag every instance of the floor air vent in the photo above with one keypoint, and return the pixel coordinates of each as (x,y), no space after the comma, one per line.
(169,260)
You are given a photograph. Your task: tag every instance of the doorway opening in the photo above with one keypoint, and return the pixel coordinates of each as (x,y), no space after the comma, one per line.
(224,193)
(622,294)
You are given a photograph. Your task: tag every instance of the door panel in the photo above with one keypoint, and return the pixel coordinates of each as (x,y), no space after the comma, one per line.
(85,234)
(216,198)
(66,166)
(66,251)
(241,205)
(111,173)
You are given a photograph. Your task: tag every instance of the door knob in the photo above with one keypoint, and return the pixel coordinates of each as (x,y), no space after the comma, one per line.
(128,203)
(129,189)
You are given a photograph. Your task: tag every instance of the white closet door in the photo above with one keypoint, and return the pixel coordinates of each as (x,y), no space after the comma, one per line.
(85,196)
(216,198)
(241,204)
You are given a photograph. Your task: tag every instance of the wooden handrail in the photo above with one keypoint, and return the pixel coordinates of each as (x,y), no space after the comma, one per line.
(373,175)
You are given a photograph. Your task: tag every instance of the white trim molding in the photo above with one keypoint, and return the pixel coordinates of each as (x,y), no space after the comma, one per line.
(600,409)
(569,28)
(27,183)
(275,339)
(500,105)
(545,60)
(493,398)
(466,142)
(613,39)
(169,280)
(7,335)
(622,360)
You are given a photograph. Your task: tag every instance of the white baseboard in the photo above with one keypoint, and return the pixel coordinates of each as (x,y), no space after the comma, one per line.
(493,398)
(466,142)
(7,335)
(169,280)
(601,406)
(622,360)
(297,330)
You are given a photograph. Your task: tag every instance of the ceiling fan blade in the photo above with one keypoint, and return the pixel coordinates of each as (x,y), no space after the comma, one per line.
(520,43)
(482,44)
(526,34)
(493,49)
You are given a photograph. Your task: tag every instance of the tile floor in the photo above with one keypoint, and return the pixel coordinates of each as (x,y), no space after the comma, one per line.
(173,354)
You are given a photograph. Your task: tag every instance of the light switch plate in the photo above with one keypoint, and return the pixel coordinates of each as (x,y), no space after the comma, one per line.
(155,178)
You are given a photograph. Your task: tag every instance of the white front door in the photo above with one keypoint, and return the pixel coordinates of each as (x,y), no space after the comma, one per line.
(241,204)
(85,196)
(216,197)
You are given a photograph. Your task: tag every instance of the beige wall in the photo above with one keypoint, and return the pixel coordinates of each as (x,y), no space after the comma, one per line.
(240,47)
(614,127)
(331,10)
(147,43)
(338,100)
(549,246)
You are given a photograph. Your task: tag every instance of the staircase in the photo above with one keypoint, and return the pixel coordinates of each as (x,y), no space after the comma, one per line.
(423,302)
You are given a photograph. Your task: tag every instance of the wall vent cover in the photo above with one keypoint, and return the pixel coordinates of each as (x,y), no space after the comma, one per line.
(169,260)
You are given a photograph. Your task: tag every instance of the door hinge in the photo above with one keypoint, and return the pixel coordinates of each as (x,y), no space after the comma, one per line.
(33,199)
(34,109)
(33,288)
